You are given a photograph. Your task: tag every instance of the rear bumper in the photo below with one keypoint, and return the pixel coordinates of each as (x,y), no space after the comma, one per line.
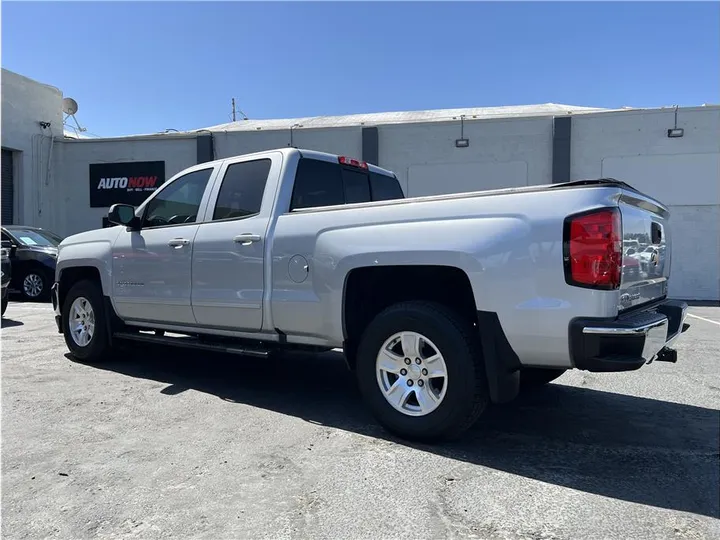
(56,307)
(629,341)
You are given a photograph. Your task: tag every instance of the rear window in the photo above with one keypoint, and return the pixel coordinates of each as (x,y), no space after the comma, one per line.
(323,183)
(385,188)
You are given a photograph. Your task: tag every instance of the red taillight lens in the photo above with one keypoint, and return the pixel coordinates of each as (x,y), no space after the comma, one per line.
(593,249)
(352,162)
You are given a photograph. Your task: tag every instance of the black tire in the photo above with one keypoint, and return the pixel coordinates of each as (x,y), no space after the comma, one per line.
(98,348)
(532,378)
(44,293)
(466,395)
(4,305)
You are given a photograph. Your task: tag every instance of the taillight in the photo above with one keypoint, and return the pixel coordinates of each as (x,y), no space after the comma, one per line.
(593,249)
(352,162)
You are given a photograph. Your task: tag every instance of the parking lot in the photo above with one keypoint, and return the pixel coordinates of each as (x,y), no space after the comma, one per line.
(159,444)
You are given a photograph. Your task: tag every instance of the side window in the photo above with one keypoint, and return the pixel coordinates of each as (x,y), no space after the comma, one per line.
(385,188)
(179,201)
(242,189)
(356,186)
(317,183)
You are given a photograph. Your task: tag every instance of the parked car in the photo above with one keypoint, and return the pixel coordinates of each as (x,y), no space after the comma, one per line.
(33,253)
(6,275)
(441,304)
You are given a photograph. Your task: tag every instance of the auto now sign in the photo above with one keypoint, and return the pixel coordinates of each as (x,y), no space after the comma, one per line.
(130,183)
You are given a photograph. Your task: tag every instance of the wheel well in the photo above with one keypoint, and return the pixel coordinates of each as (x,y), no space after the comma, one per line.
(70,276)
(370,290)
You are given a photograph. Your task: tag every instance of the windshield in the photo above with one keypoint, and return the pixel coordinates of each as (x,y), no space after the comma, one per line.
(37,238)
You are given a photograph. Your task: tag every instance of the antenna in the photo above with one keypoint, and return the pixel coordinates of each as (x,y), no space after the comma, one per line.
(234,110)
(70,107)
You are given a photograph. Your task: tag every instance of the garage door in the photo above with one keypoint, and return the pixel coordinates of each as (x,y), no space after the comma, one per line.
(8,187)
(688,184)
(441,178)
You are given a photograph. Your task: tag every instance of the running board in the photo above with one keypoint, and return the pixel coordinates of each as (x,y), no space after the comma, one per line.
(192,343)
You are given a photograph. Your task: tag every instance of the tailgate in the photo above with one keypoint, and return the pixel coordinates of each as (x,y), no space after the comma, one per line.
(646,249)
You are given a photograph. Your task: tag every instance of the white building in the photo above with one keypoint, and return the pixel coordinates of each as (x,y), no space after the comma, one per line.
(46,174)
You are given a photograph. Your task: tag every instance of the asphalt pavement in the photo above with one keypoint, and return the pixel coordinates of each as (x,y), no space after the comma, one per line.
(161,444)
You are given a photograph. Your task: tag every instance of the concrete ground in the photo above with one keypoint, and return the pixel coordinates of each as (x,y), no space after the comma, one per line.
(203,446)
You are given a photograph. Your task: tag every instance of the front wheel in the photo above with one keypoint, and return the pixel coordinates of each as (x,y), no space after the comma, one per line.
(420,370)
(35,285)
(84,325)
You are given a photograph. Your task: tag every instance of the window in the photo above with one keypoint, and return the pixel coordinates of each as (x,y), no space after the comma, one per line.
(179,201)
(242,189)
(323,183)
(385,188)
(317,183)
(356,185)
(30,237)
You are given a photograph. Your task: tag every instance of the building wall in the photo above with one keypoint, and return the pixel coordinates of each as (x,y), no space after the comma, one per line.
(71,191)
(683,173)
(26,103)
(509,152)
(502,153)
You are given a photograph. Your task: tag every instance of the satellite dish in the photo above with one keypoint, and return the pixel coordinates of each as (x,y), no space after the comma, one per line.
(70,106)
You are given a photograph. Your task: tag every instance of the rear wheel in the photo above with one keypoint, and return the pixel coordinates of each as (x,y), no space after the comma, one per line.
(84,325)
(420,369)
(536,377)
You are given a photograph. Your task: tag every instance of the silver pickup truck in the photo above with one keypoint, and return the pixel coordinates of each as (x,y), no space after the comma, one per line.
(441,304)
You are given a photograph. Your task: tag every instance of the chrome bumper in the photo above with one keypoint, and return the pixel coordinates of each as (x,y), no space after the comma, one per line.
(628,342)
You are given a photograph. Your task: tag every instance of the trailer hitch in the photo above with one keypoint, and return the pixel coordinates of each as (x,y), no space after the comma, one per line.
(666,354)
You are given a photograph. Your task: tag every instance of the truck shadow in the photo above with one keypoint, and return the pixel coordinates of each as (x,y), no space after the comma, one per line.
(629,448)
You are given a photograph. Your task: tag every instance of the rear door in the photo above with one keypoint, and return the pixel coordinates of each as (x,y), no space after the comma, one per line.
(229,254)
(646,249)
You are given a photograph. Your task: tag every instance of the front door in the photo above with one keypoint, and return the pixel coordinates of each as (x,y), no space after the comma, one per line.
(151,266)
(228,257)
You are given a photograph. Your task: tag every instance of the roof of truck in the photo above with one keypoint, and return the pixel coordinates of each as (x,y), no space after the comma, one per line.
(312,154)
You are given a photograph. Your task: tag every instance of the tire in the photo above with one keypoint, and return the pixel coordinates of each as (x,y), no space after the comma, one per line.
(532,378)
(98,346)
(35,280)
(4,305)
(465,393)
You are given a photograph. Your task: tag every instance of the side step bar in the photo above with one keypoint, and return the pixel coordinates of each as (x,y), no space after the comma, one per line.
(192,343)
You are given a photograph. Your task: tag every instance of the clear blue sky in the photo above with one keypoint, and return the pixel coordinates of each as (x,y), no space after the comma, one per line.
(144,67)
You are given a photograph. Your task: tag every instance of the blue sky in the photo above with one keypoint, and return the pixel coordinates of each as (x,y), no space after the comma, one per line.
(142,67)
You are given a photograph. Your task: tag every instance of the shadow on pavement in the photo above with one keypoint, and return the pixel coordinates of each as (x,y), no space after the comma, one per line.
(9,323)
(629,448)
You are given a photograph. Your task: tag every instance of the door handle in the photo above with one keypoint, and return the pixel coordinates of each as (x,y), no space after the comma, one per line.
(178,242)
(246,239)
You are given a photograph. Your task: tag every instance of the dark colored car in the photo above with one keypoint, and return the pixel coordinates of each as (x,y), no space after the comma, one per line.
(33,254)
(6,275)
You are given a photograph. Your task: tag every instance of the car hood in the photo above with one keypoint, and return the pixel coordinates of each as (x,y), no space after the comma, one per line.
(96,235)
(42,249)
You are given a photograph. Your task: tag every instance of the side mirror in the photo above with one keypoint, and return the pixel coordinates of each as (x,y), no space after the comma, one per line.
(7,244)
(123,214)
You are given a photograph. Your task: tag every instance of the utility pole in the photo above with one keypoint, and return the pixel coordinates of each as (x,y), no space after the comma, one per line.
(233,109)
